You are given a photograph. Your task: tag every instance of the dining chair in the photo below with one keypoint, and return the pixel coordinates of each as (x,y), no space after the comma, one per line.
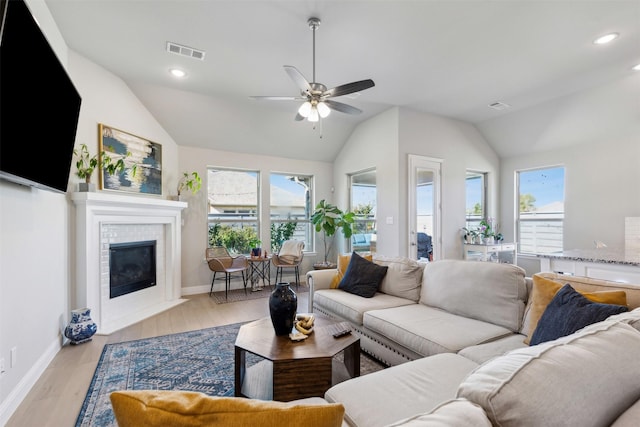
(289,257)
(220,261)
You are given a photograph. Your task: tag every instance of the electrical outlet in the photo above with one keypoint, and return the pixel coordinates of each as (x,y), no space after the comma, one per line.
(14,357)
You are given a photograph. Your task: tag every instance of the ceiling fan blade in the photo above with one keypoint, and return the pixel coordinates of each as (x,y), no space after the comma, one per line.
(298,117)
(349,88)
(278,98)
(343,108)
(298,78)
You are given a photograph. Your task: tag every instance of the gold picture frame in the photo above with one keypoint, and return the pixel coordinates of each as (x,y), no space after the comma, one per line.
(142,158)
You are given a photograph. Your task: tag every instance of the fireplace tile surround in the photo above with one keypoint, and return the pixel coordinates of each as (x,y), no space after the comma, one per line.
(103,218)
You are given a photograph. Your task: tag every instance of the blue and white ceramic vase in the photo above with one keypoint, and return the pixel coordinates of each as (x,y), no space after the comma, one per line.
(82,327)
(283,303)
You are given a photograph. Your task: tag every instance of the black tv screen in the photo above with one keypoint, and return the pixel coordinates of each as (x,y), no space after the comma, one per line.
(39,105)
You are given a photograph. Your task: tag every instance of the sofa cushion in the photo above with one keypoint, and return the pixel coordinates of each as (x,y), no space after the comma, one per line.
(427,330)
(589,377)
(491,292)
(452,413)
(377,399)
(341,268)
(352,307)
(630,417)
(568,312)
(151,408)
(362,277)
(482,352)
(543,291)
(403,278)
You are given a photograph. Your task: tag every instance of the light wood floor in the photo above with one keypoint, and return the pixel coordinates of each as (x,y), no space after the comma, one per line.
(56,399)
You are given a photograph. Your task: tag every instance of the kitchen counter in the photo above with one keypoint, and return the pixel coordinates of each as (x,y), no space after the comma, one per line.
(603,263)
(602,255)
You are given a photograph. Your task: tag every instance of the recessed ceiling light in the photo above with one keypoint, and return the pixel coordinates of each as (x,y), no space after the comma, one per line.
(636,67)
(606,38)
(176,72)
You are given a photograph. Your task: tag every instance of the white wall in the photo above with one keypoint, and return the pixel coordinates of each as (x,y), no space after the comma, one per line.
(462,148)
(601,189)
(37,227)
(196,276)
(373,144)
(385,141)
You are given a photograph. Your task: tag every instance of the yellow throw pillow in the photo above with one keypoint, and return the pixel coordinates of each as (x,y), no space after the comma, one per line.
(545,289)
(343,263)
(151,408)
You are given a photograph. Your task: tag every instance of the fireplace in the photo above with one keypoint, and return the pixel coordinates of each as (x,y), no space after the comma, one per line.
(132,267)
(104,219)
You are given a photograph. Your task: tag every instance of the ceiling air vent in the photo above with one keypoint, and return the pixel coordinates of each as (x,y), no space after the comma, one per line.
(499,106)
(185,51)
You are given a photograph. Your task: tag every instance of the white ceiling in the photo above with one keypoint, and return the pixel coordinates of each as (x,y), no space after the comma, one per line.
(450,58)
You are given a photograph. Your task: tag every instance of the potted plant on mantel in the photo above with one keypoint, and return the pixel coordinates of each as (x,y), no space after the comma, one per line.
(329,218)
(87,163)
(190,181)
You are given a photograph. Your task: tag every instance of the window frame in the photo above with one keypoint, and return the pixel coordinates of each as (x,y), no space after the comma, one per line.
(253,221)
(308,232)
(370,222)
(549,217)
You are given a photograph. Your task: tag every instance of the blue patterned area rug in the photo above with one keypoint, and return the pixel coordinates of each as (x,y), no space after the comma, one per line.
(199,360)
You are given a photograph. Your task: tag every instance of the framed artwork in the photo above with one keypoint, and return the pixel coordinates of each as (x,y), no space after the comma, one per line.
(142,158)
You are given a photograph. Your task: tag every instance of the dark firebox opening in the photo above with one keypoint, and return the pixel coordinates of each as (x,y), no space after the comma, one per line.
(132,267)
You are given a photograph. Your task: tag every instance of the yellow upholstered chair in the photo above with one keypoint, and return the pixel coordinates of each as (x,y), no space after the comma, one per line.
(289,257)
(221,261)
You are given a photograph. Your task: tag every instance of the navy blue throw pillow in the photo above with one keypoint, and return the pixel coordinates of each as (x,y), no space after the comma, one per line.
(568,312)
(362,277)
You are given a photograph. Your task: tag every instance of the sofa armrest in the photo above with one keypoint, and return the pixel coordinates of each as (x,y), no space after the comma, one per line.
(319,279)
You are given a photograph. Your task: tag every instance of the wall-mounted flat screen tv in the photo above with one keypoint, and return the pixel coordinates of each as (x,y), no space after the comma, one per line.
(39,105)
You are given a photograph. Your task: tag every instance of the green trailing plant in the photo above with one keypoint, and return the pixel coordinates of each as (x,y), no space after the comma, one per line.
(86,163)
(190,181)
(329,219)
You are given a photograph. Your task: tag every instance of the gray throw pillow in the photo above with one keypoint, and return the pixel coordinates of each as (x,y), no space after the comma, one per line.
(362,277)
(568,312)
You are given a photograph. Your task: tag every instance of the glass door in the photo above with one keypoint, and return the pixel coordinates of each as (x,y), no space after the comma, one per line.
(424,208)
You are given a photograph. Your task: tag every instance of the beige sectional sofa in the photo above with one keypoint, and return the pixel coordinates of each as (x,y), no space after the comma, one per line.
(455,344)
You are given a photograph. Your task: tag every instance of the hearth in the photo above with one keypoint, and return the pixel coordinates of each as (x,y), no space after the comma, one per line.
(132,267)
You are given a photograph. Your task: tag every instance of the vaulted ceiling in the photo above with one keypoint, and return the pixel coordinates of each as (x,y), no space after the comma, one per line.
(450,58)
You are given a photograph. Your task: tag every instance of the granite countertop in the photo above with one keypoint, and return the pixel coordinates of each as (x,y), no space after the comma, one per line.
(602,255)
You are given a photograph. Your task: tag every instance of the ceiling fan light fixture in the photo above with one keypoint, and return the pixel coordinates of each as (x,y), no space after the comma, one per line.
(323,109)
(305,109)
(313,115)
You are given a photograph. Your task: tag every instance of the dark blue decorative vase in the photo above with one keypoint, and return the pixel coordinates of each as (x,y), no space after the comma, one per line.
(82,327)
(283,303)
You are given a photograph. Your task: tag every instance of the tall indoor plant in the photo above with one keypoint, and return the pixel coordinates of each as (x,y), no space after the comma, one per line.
(329,218)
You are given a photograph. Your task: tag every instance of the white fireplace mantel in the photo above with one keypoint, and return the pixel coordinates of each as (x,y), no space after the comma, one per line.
(103,218)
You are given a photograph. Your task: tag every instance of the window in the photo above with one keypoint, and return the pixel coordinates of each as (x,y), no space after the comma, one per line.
(476,195)
(363,203)
(291,209)
(233,209)
(540,210)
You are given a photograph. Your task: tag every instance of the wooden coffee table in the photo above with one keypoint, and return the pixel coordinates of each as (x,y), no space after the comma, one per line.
(292,369)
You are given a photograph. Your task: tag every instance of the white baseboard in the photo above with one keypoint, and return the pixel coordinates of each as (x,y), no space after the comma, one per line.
(19,393)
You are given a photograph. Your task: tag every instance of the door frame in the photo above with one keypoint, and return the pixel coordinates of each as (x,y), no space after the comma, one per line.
(416,161)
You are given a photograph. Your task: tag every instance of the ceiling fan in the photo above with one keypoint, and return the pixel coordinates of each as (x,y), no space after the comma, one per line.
(315,96)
